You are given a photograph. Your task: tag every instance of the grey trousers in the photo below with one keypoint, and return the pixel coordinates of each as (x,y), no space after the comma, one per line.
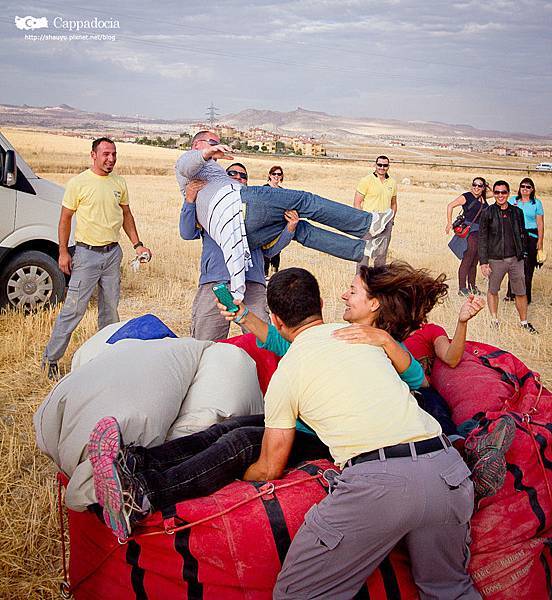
(207,322)
(427,500)
(90,268)
(380,259)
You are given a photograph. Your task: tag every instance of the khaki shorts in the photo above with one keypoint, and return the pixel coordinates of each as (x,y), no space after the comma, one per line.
(516,273)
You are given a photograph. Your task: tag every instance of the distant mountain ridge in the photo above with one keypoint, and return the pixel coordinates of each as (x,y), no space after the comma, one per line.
(335,127)
(65,116)
(297,122)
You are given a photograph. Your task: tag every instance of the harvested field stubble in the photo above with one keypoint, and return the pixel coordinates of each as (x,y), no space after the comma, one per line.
(30,564)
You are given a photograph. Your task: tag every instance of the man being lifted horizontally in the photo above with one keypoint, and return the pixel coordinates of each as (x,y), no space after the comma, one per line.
(239,218)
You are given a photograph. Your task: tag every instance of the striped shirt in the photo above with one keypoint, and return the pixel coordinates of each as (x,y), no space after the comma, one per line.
(225,224)
(218,211)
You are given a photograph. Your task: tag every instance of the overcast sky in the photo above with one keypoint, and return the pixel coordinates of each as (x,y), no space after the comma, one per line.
(487,64)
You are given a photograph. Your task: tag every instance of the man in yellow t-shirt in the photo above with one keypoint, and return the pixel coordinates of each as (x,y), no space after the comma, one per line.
(400,476)
(99,200)
(378,192)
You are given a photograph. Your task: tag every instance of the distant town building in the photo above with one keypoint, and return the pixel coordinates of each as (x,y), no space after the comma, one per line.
(308,147)
(226,131)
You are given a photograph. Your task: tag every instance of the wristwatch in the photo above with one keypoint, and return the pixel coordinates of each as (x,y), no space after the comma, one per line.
(137,245)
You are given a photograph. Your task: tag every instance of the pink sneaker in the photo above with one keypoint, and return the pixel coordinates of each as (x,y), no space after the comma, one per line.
(103,450)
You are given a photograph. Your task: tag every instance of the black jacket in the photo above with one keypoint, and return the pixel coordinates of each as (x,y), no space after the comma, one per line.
(491,234)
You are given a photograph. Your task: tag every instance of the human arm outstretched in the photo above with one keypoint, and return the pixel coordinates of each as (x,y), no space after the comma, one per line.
(267,335)
(450,352)
(275,451)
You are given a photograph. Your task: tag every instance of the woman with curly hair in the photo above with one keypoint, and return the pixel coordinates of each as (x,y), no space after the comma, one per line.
(403,297)
(387,306)
(394,300)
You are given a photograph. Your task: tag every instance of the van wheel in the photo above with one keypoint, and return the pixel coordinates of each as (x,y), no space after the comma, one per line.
(31,280)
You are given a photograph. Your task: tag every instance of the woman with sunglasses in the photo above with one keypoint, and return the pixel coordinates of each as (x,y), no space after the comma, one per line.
(275,178)
(473,203)
(533,214)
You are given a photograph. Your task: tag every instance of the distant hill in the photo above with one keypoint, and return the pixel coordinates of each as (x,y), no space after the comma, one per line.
(352,128)
(297,122)
(68,117)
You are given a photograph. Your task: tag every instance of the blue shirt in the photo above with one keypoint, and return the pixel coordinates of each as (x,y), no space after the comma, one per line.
(530,212)
(413,376)
(213,269)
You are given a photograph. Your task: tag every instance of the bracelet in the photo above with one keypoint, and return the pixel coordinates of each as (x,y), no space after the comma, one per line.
(137,245)
(239,319)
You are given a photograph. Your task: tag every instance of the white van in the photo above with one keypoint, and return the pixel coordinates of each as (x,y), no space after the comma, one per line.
(544,167)
(29,216)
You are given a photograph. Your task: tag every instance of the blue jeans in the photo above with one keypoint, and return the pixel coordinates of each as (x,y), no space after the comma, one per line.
(264,220)
(202,463)
(433,403)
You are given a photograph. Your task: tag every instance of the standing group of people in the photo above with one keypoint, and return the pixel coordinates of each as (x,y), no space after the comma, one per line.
(505,238)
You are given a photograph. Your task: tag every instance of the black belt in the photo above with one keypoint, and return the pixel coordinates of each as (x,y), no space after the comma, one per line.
(403,450)
(105,248)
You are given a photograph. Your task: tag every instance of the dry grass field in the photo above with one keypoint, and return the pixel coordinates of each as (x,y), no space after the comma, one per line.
(30,564)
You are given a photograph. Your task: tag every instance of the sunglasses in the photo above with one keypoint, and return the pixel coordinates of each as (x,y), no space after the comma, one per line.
(211,142)
(525,186)
(382,166)
(277,174)
(239,174)
(478,185)
(501,192)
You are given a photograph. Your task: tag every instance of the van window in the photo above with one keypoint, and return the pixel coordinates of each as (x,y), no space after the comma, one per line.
(22,184)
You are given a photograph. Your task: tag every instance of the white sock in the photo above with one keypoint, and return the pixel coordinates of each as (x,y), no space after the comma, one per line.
(523,322)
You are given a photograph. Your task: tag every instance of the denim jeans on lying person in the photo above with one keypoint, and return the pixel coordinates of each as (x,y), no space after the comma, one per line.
(432,402)
(202,463)
(264,220)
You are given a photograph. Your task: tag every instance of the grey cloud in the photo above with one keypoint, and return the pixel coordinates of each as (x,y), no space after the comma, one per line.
(397,58)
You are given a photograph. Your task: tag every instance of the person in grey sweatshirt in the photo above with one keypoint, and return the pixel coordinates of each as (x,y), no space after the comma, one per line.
(207,322)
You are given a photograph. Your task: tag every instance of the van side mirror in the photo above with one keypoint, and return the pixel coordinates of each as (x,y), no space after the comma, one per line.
(9,173)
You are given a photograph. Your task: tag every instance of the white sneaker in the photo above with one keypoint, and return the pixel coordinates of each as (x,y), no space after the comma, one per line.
(372,247)
(379,222)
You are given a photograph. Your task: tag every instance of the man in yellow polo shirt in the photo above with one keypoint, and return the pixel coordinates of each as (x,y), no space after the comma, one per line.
(378,192)
(99,200)
(400,479)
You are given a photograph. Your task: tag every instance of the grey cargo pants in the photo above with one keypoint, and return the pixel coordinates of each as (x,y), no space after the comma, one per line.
(90,268)
(427,500)
(209,324)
